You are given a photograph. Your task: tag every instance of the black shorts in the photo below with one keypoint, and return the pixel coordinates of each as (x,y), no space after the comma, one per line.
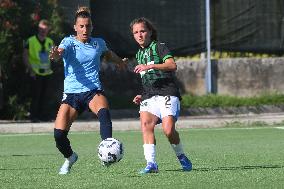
(80,101)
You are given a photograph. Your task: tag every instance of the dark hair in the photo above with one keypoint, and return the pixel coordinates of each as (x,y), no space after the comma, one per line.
(82,12)
(148,24)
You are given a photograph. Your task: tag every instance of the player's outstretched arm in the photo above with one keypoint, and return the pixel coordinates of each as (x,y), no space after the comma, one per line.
(112,57)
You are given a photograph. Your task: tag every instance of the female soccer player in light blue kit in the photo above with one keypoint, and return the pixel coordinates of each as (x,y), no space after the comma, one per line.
(82,88)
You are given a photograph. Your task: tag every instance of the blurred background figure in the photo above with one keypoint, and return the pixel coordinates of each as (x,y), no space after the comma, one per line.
(35,55)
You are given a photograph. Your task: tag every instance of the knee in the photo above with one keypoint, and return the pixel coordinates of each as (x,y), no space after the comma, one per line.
(147,126)
(169,132)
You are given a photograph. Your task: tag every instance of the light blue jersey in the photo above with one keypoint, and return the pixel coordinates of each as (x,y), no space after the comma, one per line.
(82,64)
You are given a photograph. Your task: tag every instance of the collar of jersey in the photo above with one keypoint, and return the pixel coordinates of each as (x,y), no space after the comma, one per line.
(150,44)
(88,42)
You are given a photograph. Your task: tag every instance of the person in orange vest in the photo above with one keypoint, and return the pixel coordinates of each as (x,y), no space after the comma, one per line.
(38,66)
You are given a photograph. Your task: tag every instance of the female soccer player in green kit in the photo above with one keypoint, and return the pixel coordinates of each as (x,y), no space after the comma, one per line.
(160,97)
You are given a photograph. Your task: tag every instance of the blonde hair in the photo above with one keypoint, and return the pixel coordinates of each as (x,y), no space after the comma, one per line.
(44,22)
(82,12)
(83,9)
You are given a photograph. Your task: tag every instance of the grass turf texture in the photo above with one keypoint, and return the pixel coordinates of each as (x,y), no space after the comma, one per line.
(222,158)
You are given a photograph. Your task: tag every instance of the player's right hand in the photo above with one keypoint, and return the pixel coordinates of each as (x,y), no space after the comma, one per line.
(55,53)
(137,99)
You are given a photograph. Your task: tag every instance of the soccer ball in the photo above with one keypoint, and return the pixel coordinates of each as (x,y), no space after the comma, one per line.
(110,151)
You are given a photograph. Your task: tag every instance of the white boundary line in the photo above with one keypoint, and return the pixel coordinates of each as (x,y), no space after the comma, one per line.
(181,129)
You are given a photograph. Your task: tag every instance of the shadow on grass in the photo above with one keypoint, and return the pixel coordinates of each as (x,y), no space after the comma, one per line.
(26,155)
(27,168)
(245,167)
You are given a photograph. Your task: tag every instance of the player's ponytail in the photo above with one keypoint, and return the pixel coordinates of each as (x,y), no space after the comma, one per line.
(82,12)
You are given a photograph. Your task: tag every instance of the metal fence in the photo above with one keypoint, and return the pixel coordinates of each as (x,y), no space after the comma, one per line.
(236,25)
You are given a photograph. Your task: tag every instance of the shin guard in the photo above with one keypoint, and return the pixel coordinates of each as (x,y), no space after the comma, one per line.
(105,123)
(62,142)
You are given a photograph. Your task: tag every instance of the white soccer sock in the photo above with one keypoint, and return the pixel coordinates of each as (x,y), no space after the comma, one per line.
(150,152)
(178,149)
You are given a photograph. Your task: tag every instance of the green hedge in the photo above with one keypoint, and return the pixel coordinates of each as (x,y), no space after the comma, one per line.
(190,101)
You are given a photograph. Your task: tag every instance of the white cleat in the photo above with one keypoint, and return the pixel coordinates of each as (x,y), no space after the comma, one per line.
(65,168)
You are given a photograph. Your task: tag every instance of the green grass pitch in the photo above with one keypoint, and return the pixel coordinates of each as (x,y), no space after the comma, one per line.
(222,158)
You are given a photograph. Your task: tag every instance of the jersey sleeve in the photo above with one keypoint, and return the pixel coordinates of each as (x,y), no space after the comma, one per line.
(163,51)
(64,43)
(103,45)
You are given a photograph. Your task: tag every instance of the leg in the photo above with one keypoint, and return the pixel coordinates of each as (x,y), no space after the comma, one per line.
(64,119)
(168,124)
(36,90)
(148,122)
(99,106)
(42,115)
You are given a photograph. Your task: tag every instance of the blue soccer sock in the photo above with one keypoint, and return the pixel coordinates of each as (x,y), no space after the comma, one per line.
(105,123)
(62,142)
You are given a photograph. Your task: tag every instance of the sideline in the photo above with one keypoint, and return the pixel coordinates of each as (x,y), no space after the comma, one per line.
(194,129)
(210,121)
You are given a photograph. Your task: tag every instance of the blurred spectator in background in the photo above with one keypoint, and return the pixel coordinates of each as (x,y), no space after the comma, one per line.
(36,59)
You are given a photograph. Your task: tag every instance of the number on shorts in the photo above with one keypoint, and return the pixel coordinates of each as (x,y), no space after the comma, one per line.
(167,101)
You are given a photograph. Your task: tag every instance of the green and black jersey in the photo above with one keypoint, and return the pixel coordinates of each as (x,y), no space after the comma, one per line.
(156,82)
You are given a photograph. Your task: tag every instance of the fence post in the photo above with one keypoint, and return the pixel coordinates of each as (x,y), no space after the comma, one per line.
(1,89)
(208,77)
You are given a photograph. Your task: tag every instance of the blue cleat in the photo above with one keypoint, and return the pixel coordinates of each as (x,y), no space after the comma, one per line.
(150,168)
(185,162)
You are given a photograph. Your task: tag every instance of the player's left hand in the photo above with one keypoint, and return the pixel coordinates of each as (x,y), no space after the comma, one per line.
(140,68)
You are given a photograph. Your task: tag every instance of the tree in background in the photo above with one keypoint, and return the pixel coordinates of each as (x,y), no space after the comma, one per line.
(18,20)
